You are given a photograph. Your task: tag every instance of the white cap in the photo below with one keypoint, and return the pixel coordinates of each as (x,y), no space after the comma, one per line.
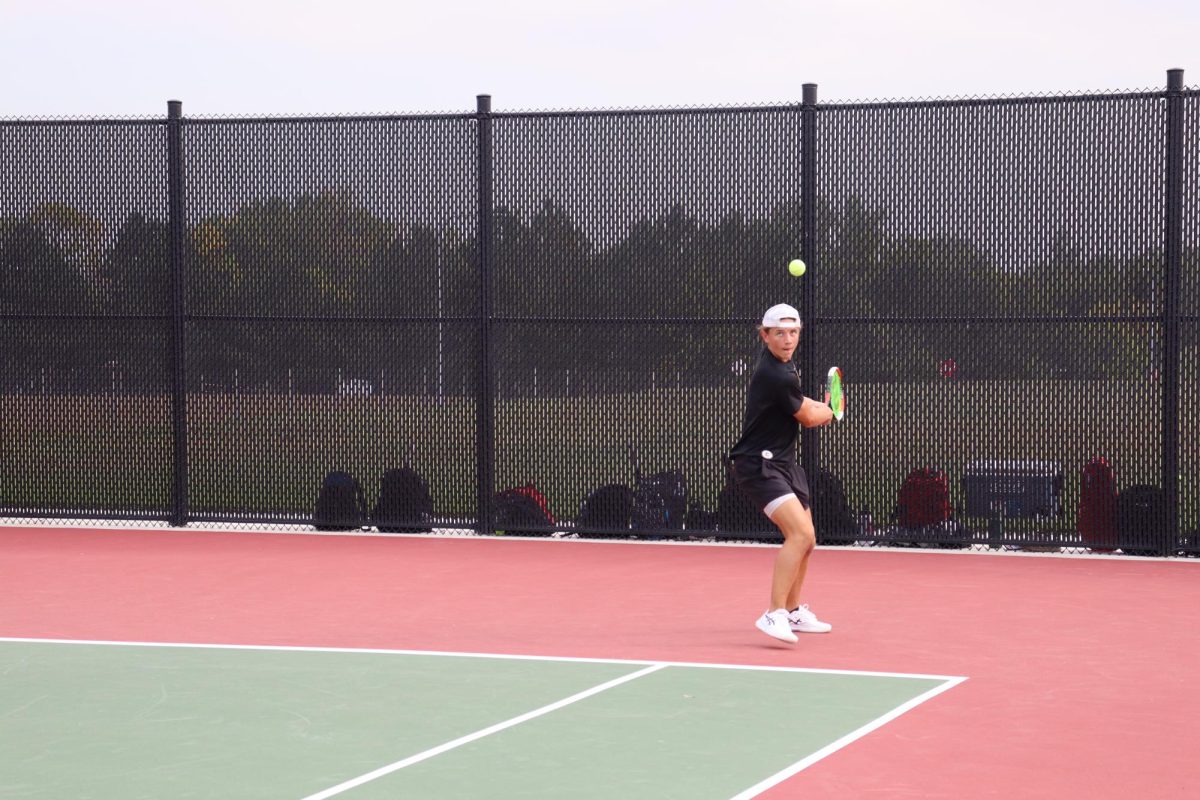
(781,316)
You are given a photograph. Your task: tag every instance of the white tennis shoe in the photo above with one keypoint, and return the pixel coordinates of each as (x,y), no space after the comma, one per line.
(775,624)
(802,620)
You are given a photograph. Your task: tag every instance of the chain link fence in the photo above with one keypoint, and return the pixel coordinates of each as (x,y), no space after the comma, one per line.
(205,317)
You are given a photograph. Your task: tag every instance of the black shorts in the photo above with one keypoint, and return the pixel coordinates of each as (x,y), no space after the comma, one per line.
(764,480)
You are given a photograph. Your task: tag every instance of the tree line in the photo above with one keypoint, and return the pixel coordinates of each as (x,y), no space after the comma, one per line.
(293,291)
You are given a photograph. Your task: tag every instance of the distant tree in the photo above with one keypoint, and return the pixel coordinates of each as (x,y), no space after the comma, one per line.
(308,256)
(136,274)
(319,255)
(48,261)
(48,265)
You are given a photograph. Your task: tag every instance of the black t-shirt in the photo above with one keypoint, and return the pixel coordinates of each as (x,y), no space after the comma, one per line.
(771,405)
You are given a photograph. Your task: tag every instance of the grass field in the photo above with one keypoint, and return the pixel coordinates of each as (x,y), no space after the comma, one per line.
(265,455)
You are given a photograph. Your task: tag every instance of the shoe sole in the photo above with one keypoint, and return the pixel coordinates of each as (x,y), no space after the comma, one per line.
(805,630)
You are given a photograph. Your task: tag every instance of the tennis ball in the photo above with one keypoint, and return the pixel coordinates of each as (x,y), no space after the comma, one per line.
(796,267)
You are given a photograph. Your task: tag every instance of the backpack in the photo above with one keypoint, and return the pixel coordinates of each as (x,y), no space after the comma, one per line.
(924,498)
(1144,521)
(1097,519)
(659,501)
(531,491)
(699,518)
(607,508)
(340,504)
(521,507)
(832,517)
(404,502)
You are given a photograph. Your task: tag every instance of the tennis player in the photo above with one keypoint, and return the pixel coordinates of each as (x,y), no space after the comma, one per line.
(765,468)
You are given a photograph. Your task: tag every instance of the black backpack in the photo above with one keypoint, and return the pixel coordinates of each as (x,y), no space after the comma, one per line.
(404,502)
(832,517)
(1144,521)
(659,501)
(340,504)
(607,508)
(699,518)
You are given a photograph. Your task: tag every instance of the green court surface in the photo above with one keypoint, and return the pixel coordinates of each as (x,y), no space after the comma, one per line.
(128,721)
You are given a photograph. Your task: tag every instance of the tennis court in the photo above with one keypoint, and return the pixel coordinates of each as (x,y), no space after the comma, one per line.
(116,720)
(199,664)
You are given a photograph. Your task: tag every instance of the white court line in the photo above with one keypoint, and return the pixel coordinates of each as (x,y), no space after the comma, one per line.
(853,736)
(471,737)
(507,656)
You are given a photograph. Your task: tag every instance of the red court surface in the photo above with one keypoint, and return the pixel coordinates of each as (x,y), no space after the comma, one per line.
(1083,673)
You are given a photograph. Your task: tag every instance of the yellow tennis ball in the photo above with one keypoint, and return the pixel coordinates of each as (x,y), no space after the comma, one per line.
(796,267)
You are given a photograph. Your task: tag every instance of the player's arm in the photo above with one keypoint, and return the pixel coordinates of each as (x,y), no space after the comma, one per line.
(812,414)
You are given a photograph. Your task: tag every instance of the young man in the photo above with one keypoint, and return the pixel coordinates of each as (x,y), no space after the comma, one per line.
(764,465)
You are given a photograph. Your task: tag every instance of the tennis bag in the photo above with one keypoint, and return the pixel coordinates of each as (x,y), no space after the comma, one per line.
(699,518)
(520,509)
(1144,521)
(924,498)
(404,502)
(340,503)
(1097,518)
(659,501)
(832,517)
(607,508)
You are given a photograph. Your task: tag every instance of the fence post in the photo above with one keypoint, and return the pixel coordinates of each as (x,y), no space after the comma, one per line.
(484,406)
(810,442)
(1172,254)
(175,227)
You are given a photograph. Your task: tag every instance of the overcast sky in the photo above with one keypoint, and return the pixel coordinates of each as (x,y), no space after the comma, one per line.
(70,58)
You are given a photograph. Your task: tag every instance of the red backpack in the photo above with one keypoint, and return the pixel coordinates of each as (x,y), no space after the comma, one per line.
(1097,520)
(924,498)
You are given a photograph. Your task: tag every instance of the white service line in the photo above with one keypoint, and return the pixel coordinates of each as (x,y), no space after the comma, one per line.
(471,737)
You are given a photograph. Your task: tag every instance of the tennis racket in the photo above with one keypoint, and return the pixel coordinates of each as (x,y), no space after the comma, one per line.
(834,393)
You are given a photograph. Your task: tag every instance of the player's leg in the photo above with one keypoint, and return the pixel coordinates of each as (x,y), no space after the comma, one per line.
(791,564)
(801,618)
(800,519)
(776,622)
